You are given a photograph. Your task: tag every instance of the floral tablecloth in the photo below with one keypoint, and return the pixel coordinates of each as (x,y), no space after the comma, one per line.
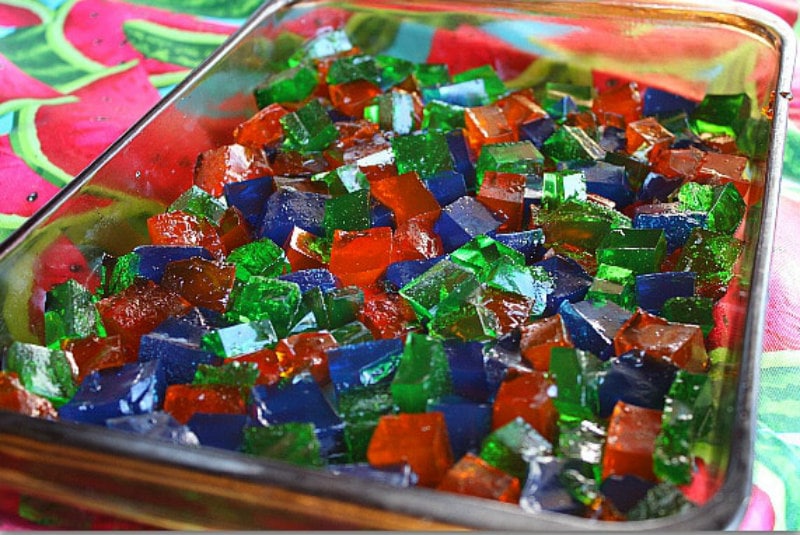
(76,73)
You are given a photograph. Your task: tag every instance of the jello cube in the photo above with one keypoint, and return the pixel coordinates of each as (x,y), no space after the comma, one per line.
(342,305)
(15,397)
(487,125)
(593,327)
(467,370)
(526,396)
(360,257)
(265,298)
(445,280)
(467,319)
(307,279)
(364,364)
(513,446)
(637,378)
(387,316)
(615,284)
(559,187)
(400,273)
(240,338)
(291,442)
(304,251)
(153,259)
(180,228)
(397,112)
(571,281)
(96,353)
(492,82)
(415,239)
(347,212)
(430,74)
(178,356)
(263,128)
(520,107)
(721,114)
(423,373)
(309,128)
(290,85)
(228,164)
(199,203)
(577,375)
(468,422)
(136,388)
(676,223)
(726,210)
(418,439)
(438,116)
(610,181)
(69,312)
(695,310)
(204,283)
(710,255)
(539,337)
(231,372)
(361,408)
(653,289)
(355,67)
(472,476)
(43,371)
(504,195)
(224,431)
(632,433)
(581,224)
(623,101)
(425,153)
(648,136)
(681,344)
(466,93)
(353,97)
(660,102)
(640,250)
(514,309)
(624,492)
(117,273)
(520,157)
(258,258)
(158,425)
(482,253)
(406,195)
(249,197)
(463,220)
(581,442)
(572,144)
(462,157)
(528,242)
(306,352)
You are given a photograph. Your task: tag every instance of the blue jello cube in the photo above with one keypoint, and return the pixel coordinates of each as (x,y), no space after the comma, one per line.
(528,242)
(571,282)
(543,490)
(676,224)
(365,364)
(613,139)
(312,278)
(158,425)
(467,370)
(154,258)
(288,208)
(136,388)
(401,273)
(625,491)
(462,159)
(657,187)
(462,220)
(401,475)
(224,431)
(653,289)
(301,401)
(249,197)
(467,422)
(657,102)
(447,186)
(635,378)
(609,181)
(537,131)
(592,327)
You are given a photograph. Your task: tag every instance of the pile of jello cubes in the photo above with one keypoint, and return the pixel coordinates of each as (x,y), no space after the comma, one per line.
(419,277)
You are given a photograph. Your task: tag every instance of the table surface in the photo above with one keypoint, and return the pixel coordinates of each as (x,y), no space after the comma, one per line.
(67,63)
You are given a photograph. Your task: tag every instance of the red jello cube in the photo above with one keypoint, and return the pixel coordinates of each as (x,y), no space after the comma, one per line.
(352,97)
(300,250)
(15,398)
(649,135)
(289,163)
(233,230)
(139,309)
(97,353)
(527,395)
(306,352)
(419,439)
(631,440)
(181,228)
(406,196)
(360,257)
(387,315)
(204,283)
(263,128)
(539,337)
(678,163)
(183,401)
(512,310)
(681,343)
(623,100)
(227,164)
(269,368)
(504,195)
(415,239)
(487,125)
(472,476)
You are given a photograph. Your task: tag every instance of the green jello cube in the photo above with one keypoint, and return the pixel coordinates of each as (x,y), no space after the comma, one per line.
(613,283)
(710,255)
(265,298)
(260,258)
(393,71)
(43,371)
(347,212)
(469,320)
(423,373)
(520,157)
(442,117)
(726,210)
(582,224)
(431,74)
(640,250)
(70,313)
(482,252)
(354,332)
(445,280)
(395,112)
(292,442)
(695,197)
(354,68)
(494,86)
(694,310)
(577,374)
(240,338)
(361,408)
(290,85)
(572,144)
(512,446)
(559,187)
(724,115)
(344,179)
(309,128)
(200,203)
(342,305)
(528,281)
(232,372)
(426,153)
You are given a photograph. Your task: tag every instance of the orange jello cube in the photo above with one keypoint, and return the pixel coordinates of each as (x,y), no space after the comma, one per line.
(300,252)
(97,353)
(204,283)
(512,310)
(352,97)
(227,164)
(678,163)
(183,401)
(139,309)
(519,107)
(719,169)
(623,100)
(15,398)
(387,315)
(504,195)
(681,343)
(360,257)
(406,196)
(486,125)
(419,439)
(415,239)
(263,128)
(527,396)
(539,337)
(632,433)
(473,476)
(306,352)
(181,228)
(649,135)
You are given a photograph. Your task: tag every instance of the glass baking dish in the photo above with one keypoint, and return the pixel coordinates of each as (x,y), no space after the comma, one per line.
(686,47)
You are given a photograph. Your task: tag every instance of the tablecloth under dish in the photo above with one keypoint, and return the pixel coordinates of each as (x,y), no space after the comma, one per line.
(74,77)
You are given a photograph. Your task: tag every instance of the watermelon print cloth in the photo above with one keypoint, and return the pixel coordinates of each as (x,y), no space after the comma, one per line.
(76,73)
